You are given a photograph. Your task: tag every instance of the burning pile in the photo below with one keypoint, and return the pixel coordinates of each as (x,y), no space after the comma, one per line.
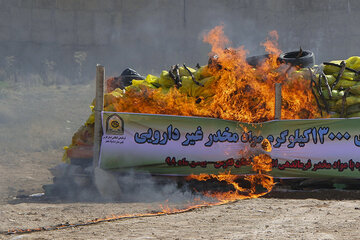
(227,88)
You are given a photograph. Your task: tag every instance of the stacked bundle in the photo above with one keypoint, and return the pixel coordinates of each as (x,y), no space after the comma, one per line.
(337,87)
(190,82)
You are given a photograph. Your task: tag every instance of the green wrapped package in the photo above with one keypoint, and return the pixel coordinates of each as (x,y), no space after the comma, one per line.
(331,79)
(343,84)
(354,115)
(330,69)
(351,100)
(353,109)
(347,75)
(335,94)
(355,89)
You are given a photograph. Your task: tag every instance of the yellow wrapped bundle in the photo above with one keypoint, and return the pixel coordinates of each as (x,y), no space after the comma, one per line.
(184,72)
(202,72)
(205,90)
(186,85)
(153,80)
(353,63)
(201,87)
(113,96)
(165,80)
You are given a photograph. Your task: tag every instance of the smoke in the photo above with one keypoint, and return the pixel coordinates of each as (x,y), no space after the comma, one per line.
(74,183)
(145,188)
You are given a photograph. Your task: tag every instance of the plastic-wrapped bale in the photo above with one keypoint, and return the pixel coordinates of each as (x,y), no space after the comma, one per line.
(82,141)
(338,87)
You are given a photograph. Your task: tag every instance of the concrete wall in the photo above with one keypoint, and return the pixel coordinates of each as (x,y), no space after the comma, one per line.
(69,37)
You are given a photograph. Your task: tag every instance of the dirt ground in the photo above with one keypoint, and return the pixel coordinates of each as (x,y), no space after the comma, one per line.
(32,143)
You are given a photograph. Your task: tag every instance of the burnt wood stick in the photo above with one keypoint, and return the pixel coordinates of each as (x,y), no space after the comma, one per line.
(342,64)
(192,76)
(172,76)
(317,101)
(339,66)
(177,76)
(312,85)
(300,53)
(172,73)
(327,84)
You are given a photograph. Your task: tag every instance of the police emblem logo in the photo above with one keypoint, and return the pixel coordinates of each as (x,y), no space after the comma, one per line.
(114,125)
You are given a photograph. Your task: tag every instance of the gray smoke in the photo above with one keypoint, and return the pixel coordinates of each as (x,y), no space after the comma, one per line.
(145,188)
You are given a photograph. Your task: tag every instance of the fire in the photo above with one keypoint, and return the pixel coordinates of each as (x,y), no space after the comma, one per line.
(246,94)
(266,145)
(260,165)
(239,92)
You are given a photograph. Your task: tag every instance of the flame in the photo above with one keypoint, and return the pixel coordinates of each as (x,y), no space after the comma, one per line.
(260,164)
(239,92)
(266,145)
(165,210)
(217,39)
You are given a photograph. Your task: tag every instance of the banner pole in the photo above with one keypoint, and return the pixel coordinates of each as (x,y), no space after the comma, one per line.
(99,106)
(277,101)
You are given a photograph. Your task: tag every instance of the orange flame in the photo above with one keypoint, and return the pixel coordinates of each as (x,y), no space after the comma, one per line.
(217,39)
(239,92)
(260,164)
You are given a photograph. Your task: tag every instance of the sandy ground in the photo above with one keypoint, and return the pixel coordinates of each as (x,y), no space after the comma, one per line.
(31,144)
(262,218)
